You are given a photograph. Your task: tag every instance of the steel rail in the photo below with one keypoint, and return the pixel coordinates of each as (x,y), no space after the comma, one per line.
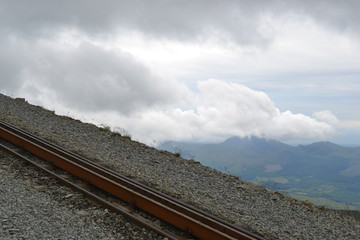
(165,199)
(92,196)
(187,218)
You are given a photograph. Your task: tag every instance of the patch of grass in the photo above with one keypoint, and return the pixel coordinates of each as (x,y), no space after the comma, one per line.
(122,132)
(177,151)
(67,117)
(105,128)
(192,161)
(116,131)
(127,137)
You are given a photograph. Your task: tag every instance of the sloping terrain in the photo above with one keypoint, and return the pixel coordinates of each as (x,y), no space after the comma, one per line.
(268,213)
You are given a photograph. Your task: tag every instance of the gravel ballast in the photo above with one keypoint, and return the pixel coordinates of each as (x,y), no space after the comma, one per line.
(271,214)
(34,206)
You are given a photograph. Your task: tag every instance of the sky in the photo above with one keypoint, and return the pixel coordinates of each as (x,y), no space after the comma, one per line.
(195,71)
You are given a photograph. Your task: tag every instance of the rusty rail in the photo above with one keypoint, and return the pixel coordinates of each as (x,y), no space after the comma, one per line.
(92,196)
(181,215)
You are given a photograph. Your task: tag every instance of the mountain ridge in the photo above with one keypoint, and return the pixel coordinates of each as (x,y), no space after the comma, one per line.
(321,169)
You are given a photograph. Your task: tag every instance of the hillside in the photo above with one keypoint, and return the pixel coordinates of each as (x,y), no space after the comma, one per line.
(322,172)
(267,213)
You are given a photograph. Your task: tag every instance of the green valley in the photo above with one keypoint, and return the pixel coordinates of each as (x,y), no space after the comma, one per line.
(323,173)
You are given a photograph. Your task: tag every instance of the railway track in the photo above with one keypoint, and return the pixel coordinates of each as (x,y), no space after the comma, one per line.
(183,216)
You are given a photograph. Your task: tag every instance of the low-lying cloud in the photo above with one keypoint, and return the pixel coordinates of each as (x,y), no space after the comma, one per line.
(222,110)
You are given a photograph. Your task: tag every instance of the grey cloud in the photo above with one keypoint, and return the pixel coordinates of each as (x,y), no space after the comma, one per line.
(90,78)
(231,20)
(12,65)
(179,20)
(340,15)
(9,72)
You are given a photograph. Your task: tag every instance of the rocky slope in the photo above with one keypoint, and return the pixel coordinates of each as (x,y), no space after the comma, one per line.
(269,213)
(34,207)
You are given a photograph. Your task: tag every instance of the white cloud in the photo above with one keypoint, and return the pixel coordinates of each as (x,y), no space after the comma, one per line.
(287,126)
(222,110)
(112,87)
(326,117)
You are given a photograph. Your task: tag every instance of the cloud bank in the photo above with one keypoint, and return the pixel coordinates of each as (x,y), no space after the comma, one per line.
(220,110)
(55,54)
(112,87)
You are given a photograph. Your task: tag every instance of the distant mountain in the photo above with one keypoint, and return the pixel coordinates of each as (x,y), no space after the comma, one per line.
(322,148)
(320,171)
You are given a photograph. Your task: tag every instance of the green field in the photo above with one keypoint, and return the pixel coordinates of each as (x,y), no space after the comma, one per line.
(332,195)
